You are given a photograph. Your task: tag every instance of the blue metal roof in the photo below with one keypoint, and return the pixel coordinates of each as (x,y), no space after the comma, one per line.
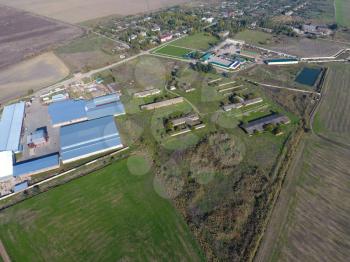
(21,186)
(35,165)
(67,111)
(111,109)
(11,126)
(85,138)
(102,100)
(278,60)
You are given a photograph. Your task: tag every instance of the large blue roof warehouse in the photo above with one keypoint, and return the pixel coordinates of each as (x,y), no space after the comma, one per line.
(73,111)
(37,165)
(88,138)
(11,127)
(67,112)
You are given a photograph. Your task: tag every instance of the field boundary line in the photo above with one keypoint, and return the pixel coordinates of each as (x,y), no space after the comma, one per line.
(3,253)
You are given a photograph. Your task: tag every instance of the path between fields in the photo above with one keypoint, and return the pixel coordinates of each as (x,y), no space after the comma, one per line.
(3,253)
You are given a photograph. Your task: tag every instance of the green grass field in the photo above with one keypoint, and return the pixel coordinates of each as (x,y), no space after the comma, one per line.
(342,12)
(254,37)
(170,50)
(108,215)
(199,41)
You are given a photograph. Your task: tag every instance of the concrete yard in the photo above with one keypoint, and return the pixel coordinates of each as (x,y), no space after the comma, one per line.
(37,116)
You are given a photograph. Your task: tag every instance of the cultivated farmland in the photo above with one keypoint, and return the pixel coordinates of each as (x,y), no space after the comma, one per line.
(75,11)
(23,35)
(31,75)
(108,215)
(315,227)
(332,119)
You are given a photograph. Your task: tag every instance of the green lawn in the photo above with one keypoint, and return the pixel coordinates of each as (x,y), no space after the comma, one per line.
(254,37)
(110,215)
(199,41)
(342,12)
(171,50)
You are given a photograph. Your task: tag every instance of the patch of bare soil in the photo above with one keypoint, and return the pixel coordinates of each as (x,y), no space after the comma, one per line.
(23,35)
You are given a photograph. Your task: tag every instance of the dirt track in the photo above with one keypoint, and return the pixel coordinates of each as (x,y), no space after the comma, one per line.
(3,253)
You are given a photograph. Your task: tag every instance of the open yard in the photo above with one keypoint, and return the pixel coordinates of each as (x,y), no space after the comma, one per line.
(32,74)
(198,41)
(23,35)
(112,214)
(75,11)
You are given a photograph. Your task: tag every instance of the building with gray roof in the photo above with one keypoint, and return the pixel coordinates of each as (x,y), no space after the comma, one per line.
(259,124)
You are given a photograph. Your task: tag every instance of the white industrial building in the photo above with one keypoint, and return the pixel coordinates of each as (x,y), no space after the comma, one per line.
(6,170)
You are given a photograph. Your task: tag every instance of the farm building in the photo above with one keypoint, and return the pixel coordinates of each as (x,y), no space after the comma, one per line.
(223,62)
(147,93)
(67,112)
(11,127)
(20,187)
(38,137)
(259,124)
(164,103)
(229,107)
(282,61)
(6,170)
(166,37)
(109,105)
(189,119)
(74,111)
(36,165)
(253,101)
(89,138)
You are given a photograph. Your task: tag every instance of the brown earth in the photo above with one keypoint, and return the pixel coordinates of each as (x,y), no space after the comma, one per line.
(32,74)
(310,221)
(23,35)
(75,11)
